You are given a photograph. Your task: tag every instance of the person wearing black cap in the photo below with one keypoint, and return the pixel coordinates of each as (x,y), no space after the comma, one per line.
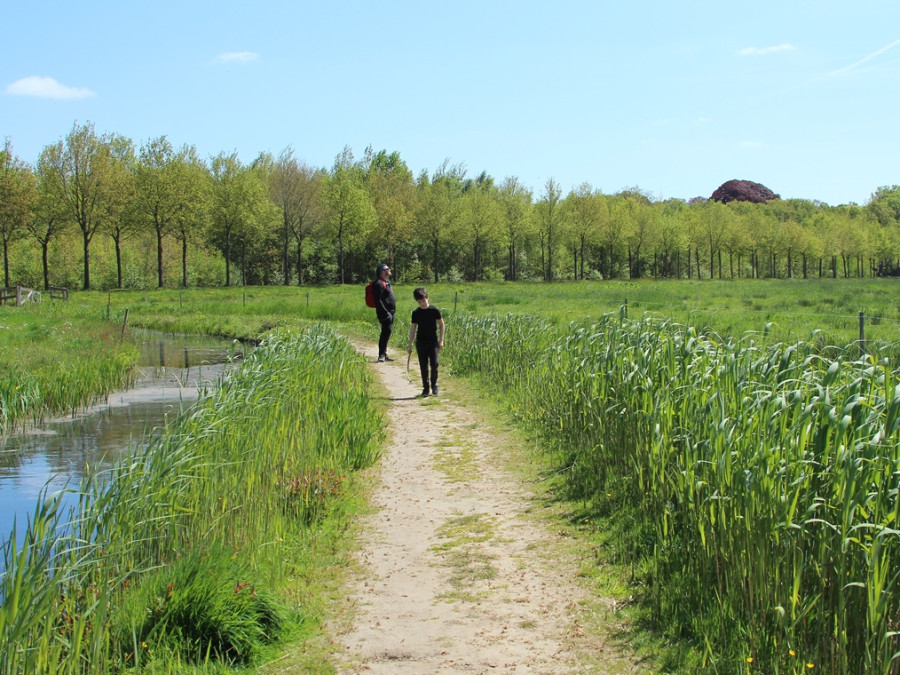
(385,308)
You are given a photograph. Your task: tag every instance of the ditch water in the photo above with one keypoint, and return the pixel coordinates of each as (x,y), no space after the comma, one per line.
(59,452)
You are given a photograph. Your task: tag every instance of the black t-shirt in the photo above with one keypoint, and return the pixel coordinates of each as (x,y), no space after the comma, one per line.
(426,321)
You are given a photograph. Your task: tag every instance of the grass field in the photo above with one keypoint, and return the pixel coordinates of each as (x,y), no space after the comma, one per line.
(79,347)
(728,436)
(792,310)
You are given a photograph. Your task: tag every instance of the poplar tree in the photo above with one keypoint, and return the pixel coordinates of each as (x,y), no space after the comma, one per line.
(296,190)
(157,195)
(349,211)
(18,196)
(82,183)
(49,218)
(239,205)
(515,202)
(548,218)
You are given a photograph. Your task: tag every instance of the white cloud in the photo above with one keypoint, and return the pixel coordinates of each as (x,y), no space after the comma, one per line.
(46,87)
(236,57)
(762,51)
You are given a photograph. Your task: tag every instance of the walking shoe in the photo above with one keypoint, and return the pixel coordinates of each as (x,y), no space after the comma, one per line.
(381,358)
(387,358)
(434,390)
(425,392)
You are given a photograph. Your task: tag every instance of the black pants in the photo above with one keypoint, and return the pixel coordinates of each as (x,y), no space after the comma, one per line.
(428,355)
(387,327)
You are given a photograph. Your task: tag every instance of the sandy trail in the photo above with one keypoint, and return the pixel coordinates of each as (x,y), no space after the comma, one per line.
(458,574)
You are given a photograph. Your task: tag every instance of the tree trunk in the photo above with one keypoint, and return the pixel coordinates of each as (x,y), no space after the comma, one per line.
(118,263)
(227,259)
(45,250)
(6,263)
(243,263)
(184,275)
(434,258)
(87,260)
(287,257)
(159,257)
(300,266)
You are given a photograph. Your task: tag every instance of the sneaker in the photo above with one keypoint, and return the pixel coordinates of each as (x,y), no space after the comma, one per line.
(434,390)
(425,392)
(381,358)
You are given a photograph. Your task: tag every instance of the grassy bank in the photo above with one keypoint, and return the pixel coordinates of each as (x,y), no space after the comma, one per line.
(751,489)
(196,551)
(56,358)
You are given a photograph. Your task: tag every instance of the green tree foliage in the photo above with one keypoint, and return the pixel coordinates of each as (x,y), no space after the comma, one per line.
(49,218)
(479,221)
(119,220)
(548,222)
(884,205)
(193,197)
(85,182)
(515,202)
(240,207)
(296,190)
(586,211)
(159,195)
(436,198)
(18,196)
(350,215)
(280,219)
(391,189)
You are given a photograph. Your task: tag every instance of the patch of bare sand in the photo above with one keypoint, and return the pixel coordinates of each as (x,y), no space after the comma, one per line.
(455,575)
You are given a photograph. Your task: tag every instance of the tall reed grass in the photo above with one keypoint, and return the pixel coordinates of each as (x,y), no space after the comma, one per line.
(181,555)
(755,487)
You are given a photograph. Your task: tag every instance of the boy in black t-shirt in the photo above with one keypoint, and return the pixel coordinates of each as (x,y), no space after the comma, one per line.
(424,330)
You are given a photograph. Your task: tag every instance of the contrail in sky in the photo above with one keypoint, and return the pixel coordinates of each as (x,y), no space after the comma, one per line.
(840,71)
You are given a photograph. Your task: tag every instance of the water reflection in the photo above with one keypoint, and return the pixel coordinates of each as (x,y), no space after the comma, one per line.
(62,451)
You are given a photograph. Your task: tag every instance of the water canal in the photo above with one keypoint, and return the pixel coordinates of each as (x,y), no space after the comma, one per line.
(59,453)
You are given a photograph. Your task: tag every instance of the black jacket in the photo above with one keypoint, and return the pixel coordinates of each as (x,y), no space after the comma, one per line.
(385,304)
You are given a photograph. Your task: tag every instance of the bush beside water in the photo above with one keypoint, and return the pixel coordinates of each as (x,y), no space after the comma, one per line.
(754,489)
(180,556)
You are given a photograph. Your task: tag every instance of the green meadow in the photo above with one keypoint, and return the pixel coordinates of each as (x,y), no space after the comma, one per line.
(732,444)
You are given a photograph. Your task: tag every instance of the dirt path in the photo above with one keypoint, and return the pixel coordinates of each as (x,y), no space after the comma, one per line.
(459,573)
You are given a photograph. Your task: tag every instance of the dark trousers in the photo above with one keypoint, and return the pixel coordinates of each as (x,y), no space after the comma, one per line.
(387,327)
(428,355)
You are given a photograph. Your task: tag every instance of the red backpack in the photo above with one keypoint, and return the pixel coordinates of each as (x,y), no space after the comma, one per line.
(370,294)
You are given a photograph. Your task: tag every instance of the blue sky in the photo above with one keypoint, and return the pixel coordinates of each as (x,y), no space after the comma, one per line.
(673,98)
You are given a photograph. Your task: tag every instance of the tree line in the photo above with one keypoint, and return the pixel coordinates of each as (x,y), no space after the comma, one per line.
(279,220)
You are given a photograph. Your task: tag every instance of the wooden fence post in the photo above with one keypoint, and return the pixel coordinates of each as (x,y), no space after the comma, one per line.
(862,334)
